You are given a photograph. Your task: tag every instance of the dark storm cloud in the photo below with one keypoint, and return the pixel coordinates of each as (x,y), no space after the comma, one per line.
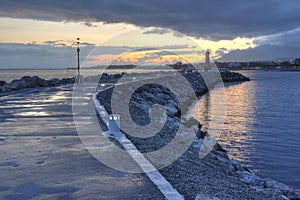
(210,19)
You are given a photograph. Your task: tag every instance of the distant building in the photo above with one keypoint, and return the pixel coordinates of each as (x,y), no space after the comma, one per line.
(234,65)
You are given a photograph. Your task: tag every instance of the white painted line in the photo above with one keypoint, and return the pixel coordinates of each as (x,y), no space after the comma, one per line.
(155,176)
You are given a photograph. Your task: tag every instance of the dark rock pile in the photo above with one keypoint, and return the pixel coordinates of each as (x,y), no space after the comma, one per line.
(194,78)
(32,82)
(228,76)
(2,83)
(35,81)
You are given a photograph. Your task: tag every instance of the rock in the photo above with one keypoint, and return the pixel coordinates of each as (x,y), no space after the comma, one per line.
(251,179)
(201,134)
(32,82)
(17,84)
(67,80)
(2,83)
(192,122)
(206,197)
(55,82)
(283,197)
(39,82)
(189,173)
(269,183)
(177,114)
(25,82)
(228,76)
(218,147)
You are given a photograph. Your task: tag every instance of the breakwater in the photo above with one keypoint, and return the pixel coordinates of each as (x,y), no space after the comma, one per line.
(36,81)
(214,176)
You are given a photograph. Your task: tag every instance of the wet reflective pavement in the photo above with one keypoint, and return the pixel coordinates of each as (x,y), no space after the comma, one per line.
(42,157)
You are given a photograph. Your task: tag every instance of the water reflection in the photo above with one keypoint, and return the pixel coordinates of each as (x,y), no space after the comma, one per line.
(262,128)
(236,134)
(32,113)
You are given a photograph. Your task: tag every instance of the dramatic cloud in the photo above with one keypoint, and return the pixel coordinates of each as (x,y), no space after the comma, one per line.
(210,19)
(56,54)
(89,24)
(157,31)
(168,47)
(262,53)
(221,52)
(55,43)
(289,38)
(20,56)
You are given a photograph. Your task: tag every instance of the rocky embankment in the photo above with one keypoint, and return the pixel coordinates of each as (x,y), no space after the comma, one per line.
(35,81)
(215,176)
(229,76)
(32,82)
(2,83)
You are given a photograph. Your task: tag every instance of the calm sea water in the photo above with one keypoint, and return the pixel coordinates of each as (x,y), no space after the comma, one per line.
(9,75)
(262,128)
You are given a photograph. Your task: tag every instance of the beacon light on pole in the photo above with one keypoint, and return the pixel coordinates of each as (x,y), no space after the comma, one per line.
(79,77)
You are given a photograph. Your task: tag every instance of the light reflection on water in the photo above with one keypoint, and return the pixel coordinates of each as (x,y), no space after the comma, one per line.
(32,113)
(262,126)
(237,121)
(43,105)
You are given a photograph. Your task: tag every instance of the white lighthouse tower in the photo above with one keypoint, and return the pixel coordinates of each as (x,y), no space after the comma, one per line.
(207,61)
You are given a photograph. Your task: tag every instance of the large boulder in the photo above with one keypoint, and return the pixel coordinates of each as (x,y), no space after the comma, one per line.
(228,76)
(39,82)
(25,82)
(28,82)
(18,84)
(2,83)
(67,81)
(54,82)
(32,82)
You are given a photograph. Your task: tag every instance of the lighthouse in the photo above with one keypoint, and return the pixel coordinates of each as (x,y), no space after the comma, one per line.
(207,61)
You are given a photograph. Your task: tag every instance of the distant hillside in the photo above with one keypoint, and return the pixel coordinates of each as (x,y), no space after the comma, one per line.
(261,53)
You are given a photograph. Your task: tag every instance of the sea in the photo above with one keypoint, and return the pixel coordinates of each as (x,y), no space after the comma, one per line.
(9,75)
(262,124)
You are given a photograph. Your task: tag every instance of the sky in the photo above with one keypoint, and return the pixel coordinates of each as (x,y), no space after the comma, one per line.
(41,34)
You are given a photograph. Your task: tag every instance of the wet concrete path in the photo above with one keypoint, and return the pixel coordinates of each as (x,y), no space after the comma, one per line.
(42,157)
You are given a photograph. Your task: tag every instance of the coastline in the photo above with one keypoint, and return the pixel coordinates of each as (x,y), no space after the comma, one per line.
(191,175)
(36,81)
